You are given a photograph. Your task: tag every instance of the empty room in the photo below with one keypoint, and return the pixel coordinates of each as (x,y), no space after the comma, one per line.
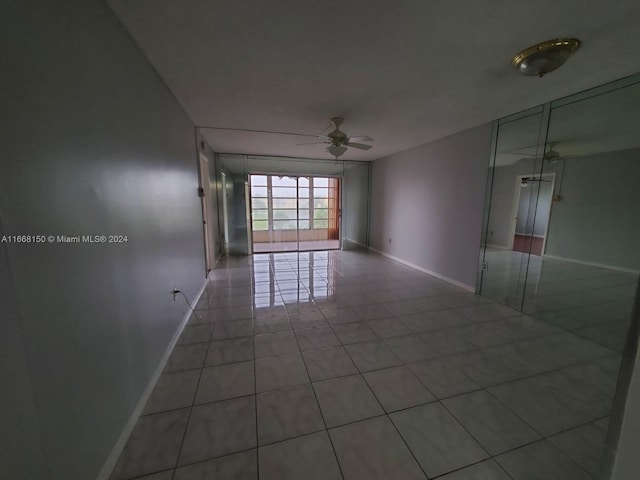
(298,240)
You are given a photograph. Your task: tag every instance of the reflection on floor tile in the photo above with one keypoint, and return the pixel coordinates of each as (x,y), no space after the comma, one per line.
(345,400)
(166,475)
(173,390)
(492,424)
(345,364)
(410,348)
(272,344)
(310,457)
(443,378)
(187,357)
(229,351)
(584,445)
(287,413)
(153,446)
(238,466)
(372,356)
(356,332)
(540,461)
(226,381)
(329,363)
(487,470)
(372,449)
(436,439)
(397,388)
(388,327)
(196,334)
(280,372)
(316,338)
(237,329)
(553,402)
(220,428)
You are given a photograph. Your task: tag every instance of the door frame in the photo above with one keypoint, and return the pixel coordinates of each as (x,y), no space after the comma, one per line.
(206,203)
(516,204)
(339,208)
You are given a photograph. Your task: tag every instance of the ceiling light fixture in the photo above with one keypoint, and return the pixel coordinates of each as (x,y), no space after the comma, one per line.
(336,150)
(545,57)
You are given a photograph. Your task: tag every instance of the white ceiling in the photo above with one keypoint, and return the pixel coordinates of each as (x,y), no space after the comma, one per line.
(404,72)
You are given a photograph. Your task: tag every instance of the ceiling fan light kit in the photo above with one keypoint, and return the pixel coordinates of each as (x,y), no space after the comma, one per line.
(545,57)
(336,150)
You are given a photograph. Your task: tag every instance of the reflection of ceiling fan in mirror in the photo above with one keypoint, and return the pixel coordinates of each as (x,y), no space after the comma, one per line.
(526,181)
(338,141)
(551,155)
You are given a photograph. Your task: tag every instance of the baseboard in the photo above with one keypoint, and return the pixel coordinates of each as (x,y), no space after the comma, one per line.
(456,283)
(593,264)
(116,451)
(355,242)
(499,247)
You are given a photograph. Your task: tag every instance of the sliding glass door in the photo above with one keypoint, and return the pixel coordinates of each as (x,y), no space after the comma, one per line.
(294,213)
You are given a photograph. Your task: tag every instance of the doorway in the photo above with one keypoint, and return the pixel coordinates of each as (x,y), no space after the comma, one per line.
(294,213)
(532,199)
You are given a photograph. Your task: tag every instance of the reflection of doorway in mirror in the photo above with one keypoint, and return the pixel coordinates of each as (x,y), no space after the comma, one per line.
(532,199)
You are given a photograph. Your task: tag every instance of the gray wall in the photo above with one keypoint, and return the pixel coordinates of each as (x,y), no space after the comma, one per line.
(21,445)
(429,200)
(93,143)
(597,218)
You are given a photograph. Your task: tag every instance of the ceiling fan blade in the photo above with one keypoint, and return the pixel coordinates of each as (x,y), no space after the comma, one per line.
(362,138)
(247,130)
(531,155)
(326,130)
(359,146)
(312,143)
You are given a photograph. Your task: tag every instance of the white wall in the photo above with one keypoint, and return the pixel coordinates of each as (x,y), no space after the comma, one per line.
(429,201)
(92,143)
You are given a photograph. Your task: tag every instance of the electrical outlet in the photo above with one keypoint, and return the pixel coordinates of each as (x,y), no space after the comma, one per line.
(175,292)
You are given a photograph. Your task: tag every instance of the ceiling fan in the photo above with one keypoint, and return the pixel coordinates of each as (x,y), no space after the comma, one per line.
(338,141)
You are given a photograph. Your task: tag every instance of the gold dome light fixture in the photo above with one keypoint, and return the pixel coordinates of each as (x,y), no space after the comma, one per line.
(545,57)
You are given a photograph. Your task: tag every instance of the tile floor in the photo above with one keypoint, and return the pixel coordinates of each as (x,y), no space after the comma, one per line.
(346,365)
